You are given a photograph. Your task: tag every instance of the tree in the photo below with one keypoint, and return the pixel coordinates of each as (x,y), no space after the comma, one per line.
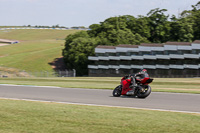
(139,25)
(191,21)
(159,26)
(95,29)
(181,30)
(196,18)
(69,39)
(77,49)
(116,30)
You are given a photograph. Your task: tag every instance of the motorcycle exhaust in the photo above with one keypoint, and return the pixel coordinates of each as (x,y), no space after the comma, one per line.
(129,93)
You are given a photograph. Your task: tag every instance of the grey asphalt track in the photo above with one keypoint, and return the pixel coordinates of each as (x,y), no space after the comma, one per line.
(156,100)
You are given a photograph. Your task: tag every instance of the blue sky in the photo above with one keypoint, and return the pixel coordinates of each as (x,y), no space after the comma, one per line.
(80,12)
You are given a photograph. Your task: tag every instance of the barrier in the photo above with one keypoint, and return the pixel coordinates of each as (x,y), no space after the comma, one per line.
(43,28)
(65,73)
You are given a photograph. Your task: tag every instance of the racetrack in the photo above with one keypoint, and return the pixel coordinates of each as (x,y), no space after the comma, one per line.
(177,102)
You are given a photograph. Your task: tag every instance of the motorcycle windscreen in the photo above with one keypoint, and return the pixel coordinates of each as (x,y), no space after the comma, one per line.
(149,80)
(146,80)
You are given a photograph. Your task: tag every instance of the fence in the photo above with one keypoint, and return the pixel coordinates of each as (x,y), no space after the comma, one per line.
(72,73)
(40,28)
(66,73)
(54,74)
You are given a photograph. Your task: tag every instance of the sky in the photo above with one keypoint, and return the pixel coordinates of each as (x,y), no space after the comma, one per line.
(71,13)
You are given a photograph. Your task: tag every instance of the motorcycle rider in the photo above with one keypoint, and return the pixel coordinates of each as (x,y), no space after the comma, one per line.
(140,75)
(134,85)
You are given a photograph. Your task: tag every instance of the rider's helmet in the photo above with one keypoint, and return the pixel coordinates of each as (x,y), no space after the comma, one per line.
(143,71)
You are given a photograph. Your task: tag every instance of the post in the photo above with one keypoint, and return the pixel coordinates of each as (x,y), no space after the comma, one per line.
(117,71)
(74,72)
(60,74)
(67,75)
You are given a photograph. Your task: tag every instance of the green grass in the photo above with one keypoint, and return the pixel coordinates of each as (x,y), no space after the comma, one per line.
(183,85)
(36,49)
(37,117)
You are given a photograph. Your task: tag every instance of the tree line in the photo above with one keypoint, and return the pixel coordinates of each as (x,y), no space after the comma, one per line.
(155,27)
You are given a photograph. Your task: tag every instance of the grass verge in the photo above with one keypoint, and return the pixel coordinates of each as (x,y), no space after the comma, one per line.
(23,116)
(37,48)
(182,85)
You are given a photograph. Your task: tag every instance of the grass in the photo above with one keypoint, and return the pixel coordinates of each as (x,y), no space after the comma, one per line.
(182,85)
(37,117)
(36,49)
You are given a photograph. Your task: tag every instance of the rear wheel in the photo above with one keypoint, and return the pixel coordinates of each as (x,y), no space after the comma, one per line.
(117,91)
(144,91)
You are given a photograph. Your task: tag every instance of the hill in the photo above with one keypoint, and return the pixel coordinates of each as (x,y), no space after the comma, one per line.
(35,52)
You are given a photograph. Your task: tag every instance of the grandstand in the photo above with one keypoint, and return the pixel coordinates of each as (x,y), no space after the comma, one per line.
(171,59)
(6,42)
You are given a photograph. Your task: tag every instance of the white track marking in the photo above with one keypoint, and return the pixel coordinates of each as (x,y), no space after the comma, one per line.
(163,110)
(30,86)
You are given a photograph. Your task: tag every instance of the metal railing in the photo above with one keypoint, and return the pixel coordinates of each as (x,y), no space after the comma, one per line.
(65,73)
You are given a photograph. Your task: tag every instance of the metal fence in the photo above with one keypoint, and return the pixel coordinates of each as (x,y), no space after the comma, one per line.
(66,73)
(72,73)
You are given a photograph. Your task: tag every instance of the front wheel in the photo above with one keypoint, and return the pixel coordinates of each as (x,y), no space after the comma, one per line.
(144,91)
(117,91)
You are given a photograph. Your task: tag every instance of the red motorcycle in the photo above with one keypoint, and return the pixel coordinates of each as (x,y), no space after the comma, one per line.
(141,90)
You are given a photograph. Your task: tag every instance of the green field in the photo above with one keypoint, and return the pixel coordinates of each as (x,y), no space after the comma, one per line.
(37,117)
(183,85)
(36,49)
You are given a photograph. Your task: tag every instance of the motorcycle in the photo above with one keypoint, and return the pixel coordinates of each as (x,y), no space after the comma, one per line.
(141,90)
